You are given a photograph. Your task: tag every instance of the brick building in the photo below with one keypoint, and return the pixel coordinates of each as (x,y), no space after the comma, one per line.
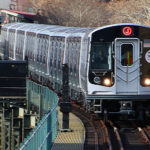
(24,5)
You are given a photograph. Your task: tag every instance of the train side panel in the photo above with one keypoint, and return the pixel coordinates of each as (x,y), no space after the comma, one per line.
(41,53)
(3,41)
(84,63)
(19,45)
(47,48)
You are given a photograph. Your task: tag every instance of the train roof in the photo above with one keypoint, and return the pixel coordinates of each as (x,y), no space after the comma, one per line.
(115,25)
(49,29)
(56,30)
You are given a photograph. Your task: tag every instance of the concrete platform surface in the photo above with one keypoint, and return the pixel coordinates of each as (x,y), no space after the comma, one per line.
(70,140)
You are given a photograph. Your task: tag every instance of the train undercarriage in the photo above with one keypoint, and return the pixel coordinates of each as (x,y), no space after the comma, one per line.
(127,107)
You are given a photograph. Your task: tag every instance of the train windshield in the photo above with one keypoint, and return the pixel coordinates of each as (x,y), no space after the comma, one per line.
(101,56)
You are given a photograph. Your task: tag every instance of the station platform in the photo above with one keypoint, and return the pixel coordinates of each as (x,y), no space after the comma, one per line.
(73,140)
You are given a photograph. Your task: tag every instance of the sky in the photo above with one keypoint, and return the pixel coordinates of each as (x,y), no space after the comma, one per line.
(4,4)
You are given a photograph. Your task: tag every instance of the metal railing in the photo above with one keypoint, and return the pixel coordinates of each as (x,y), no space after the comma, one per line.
(42,137)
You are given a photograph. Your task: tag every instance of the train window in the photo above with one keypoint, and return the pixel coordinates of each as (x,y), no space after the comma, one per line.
(100,56)
(126,54)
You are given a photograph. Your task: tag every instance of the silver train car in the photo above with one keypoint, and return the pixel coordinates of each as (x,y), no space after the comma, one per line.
(109,67)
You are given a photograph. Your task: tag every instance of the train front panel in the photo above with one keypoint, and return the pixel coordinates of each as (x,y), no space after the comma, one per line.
(119,70)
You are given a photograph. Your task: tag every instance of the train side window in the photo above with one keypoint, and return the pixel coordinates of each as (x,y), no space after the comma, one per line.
(42,49)
(38,48)
(78,55)
(62,51)
(52,53)
(126,54)
(46,50)
(59,54)
(71,57)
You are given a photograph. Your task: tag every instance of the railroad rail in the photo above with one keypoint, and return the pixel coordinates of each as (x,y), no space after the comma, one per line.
(147,132)
(114,135)
(96,137)
(128,136)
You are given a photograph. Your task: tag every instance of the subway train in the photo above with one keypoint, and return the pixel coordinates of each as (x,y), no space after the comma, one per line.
(109,66)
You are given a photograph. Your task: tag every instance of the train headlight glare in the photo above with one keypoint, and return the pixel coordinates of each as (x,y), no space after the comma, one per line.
(107,82)
(147,81)
(97,80)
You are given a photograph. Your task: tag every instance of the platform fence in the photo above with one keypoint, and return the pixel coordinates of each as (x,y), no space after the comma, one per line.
(46,102)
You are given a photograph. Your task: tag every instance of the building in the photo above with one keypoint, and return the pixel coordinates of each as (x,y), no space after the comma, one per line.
(5,4)
(10,16)
(24,5)
(21,5)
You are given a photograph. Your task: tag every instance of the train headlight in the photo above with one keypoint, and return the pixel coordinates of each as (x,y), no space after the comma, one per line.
(97,80)
(107,82)
(147,81)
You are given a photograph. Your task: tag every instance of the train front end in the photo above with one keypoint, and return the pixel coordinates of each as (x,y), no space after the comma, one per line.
(119,70)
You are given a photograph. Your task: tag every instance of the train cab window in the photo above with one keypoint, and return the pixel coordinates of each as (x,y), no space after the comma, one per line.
(126,54)
(101,56)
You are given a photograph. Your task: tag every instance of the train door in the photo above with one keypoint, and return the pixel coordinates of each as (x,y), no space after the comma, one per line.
(127,62)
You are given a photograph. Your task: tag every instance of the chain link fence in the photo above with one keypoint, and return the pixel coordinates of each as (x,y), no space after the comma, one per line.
(45,101)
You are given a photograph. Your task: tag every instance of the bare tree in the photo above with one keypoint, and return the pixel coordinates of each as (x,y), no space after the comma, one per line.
(129,11)
(72,12)
(92,13)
